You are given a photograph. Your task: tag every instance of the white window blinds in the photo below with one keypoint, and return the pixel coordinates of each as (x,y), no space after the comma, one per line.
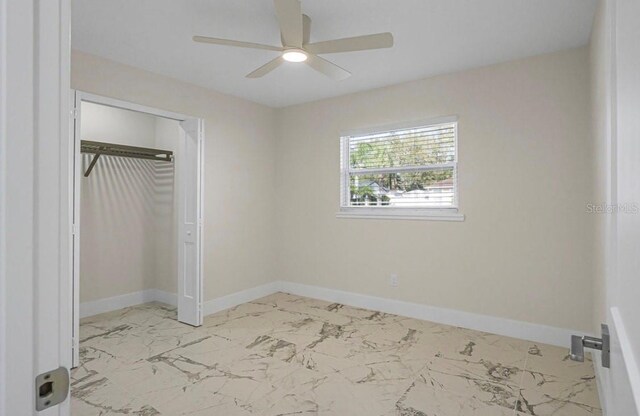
(404,168)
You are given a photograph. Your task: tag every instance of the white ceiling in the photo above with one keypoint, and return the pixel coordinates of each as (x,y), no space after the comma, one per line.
(431,37)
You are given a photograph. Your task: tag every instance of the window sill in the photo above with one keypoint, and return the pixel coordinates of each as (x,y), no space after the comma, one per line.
(400,214)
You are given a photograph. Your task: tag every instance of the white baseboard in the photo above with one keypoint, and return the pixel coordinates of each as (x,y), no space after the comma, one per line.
(229,301)
(165,297)
(123,301)
(501,326)
(150,295)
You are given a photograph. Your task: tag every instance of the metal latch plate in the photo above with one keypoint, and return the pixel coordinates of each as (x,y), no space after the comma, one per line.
(52,388)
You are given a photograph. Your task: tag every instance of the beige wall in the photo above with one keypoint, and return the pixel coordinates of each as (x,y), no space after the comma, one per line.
(239,167)
(165,235)
(524,251)
(102,123)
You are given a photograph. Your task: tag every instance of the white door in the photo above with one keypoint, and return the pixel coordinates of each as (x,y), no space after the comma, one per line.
(620,383)
(188,168)
(625,285)
(76,184)
(35,325)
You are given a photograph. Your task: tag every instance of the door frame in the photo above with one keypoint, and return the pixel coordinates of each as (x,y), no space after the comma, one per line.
(34,120)
(77,97)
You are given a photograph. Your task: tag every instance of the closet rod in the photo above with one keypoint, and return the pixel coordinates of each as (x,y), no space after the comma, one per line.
(121,150)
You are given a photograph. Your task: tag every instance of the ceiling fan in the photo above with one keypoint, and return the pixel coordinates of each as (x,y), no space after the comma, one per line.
(295,29)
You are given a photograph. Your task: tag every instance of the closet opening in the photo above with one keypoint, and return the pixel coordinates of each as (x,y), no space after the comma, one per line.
(136,210)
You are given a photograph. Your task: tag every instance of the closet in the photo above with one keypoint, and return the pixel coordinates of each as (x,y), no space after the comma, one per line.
(127,208)
(137,210)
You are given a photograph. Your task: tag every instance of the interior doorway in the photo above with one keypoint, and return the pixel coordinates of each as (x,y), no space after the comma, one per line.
(137,207)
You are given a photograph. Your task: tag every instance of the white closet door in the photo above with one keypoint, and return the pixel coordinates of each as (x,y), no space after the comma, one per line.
(189,164)
(76,184)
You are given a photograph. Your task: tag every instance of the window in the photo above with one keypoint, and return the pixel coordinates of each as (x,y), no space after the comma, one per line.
(401,172)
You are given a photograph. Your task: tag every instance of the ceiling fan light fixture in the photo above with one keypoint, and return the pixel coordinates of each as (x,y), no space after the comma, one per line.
(295,31)
(294,55)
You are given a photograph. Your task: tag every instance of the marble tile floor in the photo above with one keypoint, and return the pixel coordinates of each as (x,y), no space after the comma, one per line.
(289,355)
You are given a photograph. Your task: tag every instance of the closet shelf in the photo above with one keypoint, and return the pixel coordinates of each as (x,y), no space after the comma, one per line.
(121,150)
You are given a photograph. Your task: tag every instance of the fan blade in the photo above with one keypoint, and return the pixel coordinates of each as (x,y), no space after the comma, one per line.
(328,68)
(358,43)
(266,68)
(289,15)
(228,42)
(306,29)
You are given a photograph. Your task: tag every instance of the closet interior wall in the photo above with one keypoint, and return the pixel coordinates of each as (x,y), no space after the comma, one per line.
(127,209)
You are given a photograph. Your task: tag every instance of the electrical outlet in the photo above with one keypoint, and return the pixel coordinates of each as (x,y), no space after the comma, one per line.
(393,280)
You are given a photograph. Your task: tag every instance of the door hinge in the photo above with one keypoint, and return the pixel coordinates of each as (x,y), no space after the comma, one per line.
(52,388)
(74,113)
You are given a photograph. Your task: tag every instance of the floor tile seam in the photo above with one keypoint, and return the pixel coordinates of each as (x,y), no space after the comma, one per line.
(521,385)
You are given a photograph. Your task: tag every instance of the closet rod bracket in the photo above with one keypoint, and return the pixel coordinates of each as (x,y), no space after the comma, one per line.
(91,165)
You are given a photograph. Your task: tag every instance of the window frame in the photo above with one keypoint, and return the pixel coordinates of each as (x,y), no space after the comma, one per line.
(385,212)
